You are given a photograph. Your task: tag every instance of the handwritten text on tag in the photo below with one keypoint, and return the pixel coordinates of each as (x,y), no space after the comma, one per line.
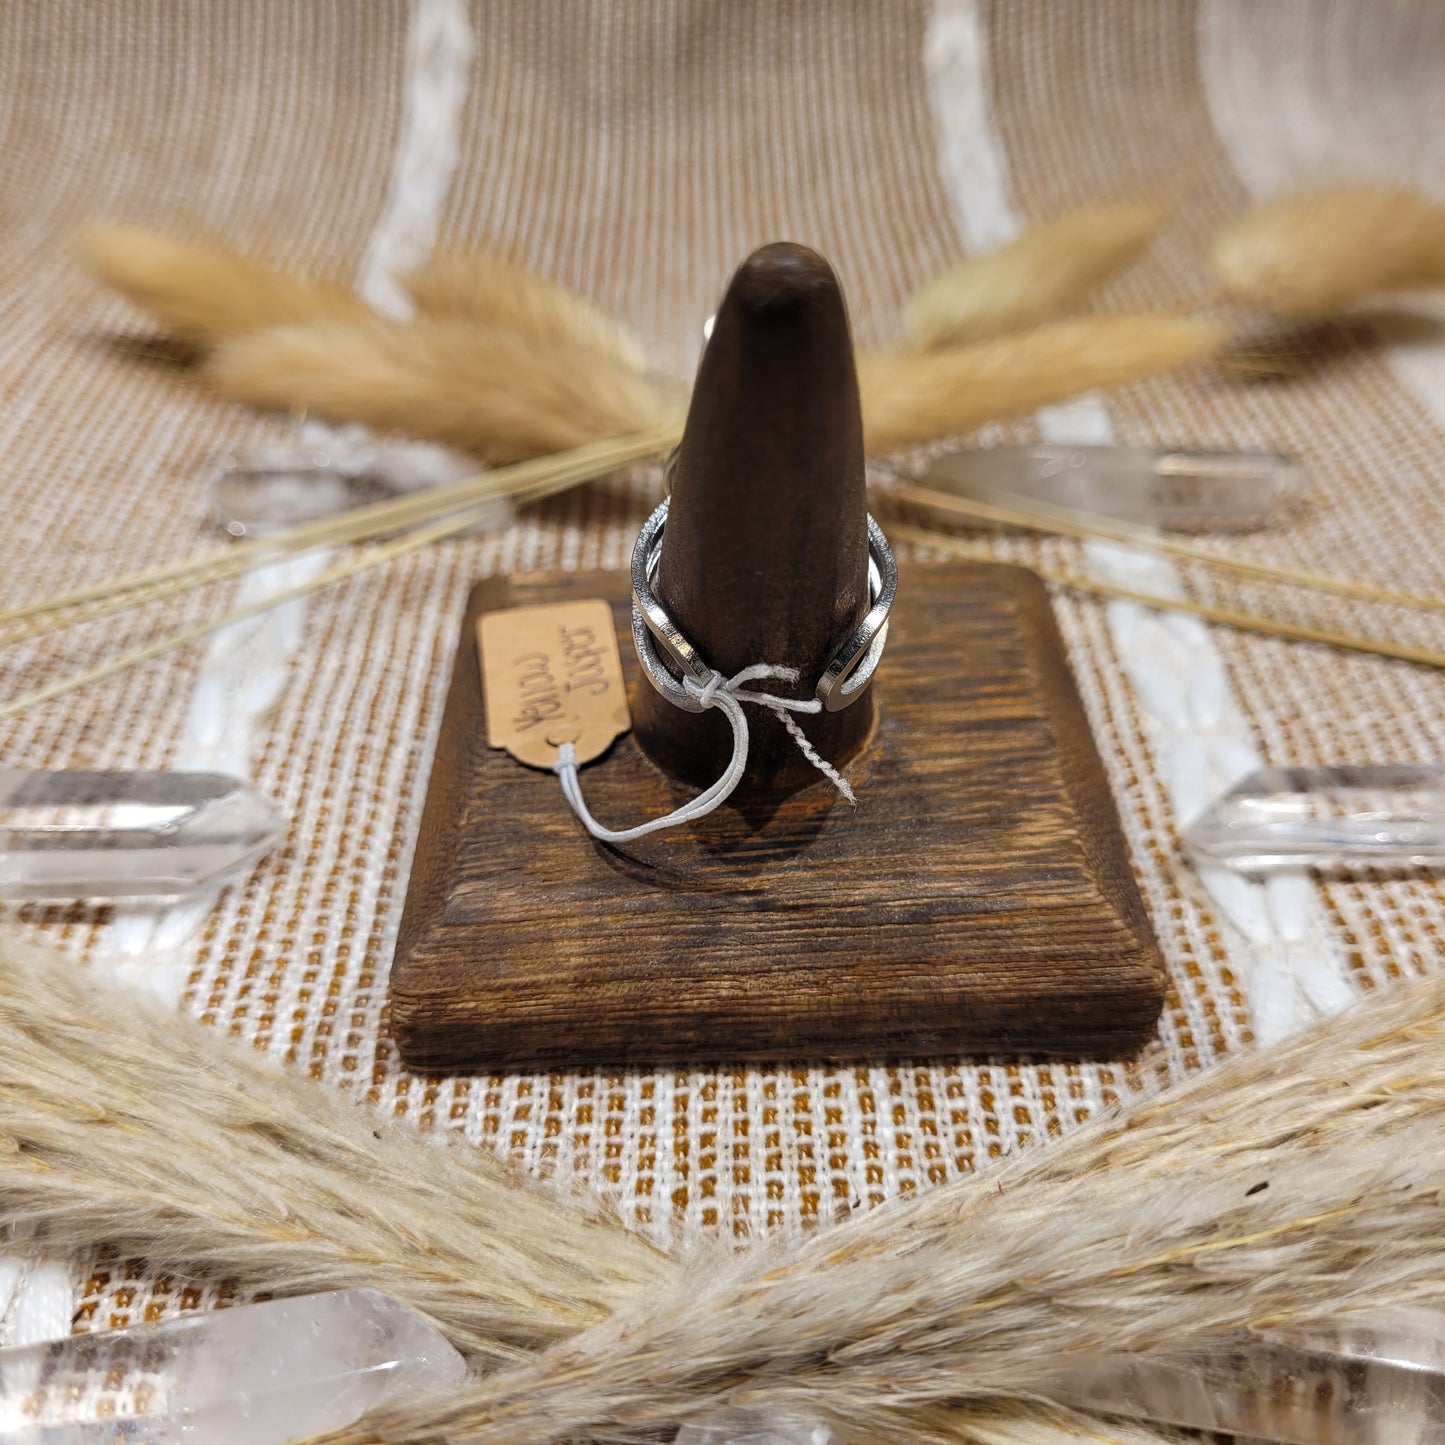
(551,675)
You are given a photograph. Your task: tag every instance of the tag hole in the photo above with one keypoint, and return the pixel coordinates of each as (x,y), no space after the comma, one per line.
(557,736)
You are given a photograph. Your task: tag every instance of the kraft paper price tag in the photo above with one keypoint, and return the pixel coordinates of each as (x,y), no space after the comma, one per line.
(552,675)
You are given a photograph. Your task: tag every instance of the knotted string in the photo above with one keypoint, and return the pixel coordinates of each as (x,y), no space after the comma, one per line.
(727,694)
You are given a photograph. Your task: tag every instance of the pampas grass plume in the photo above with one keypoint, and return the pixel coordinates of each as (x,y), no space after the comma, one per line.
(122,1123)
(939,1317)
(910,398)
(1313,253)
(500,394)
(205,294)
(1032,280)
(137,1128)
(498,296)
(1283,1190)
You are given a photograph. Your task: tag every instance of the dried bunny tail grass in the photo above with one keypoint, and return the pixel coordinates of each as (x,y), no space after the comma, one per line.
(1315,252)
(497,295)
(121,1123)
(910,398)
(1283,1189)
(1430,270)
(500,394)
(205,294)
(1033,279)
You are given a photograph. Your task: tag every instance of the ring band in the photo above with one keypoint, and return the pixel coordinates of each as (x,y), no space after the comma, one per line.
(848,672)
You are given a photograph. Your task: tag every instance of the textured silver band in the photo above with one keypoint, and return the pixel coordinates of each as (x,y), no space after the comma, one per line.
(653,630)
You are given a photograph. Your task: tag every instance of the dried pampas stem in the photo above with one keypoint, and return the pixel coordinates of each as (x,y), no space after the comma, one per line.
(1034,279)
(1284,1189)
(205,294)
(497,296)
(1226,616)
(359,524)
(1019,511)
(123,1123)
(502,363)
(1316,252)
(485,507)
(170,642)
(499,394)
(917,398)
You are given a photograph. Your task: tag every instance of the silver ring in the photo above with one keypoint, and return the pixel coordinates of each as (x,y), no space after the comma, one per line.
(848,672)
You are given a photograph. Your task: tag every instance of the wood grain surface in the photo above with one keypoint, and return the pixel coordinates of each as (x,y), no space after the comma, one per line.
(978,898)
(766,558)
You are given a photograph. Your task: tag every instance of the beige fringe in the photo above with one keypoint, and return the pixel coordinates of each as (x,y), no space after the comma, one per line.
(1313,253)
(497,296)
(1034,279)
(205,294)
(500,394)
(908,399)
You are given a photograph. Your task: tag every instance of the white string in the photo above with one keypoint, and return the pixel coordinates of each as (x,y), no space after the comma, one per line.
(727,694)
(813,756)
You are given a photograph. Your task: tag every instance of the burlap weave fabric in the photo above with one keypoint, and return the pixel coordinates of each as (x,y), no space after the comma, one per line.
(635,153)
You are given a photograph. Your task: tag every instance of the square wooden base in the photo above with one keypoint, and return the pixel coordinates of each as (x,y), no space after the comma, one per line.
(978,898)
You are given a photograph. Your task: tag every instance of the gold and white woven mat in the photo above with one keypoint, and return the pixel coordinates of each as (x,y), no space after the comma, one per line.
(636,152)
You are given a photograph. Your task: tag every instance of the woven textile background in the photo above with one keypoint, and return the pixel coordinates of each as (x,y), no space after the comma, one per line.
(636,152)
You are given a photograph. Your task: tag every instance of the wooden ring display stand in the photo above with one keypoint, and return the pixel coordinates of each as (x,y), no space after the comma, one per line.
(978,898)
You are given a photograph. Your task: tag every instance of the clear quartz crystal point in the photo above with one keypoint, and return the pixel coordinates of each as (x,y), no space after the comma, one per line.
(260,1374)
(112,835)
(753,1427)
(255,496)
(1172,488)
(322,472)
(1370,1384)
(1384,816)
